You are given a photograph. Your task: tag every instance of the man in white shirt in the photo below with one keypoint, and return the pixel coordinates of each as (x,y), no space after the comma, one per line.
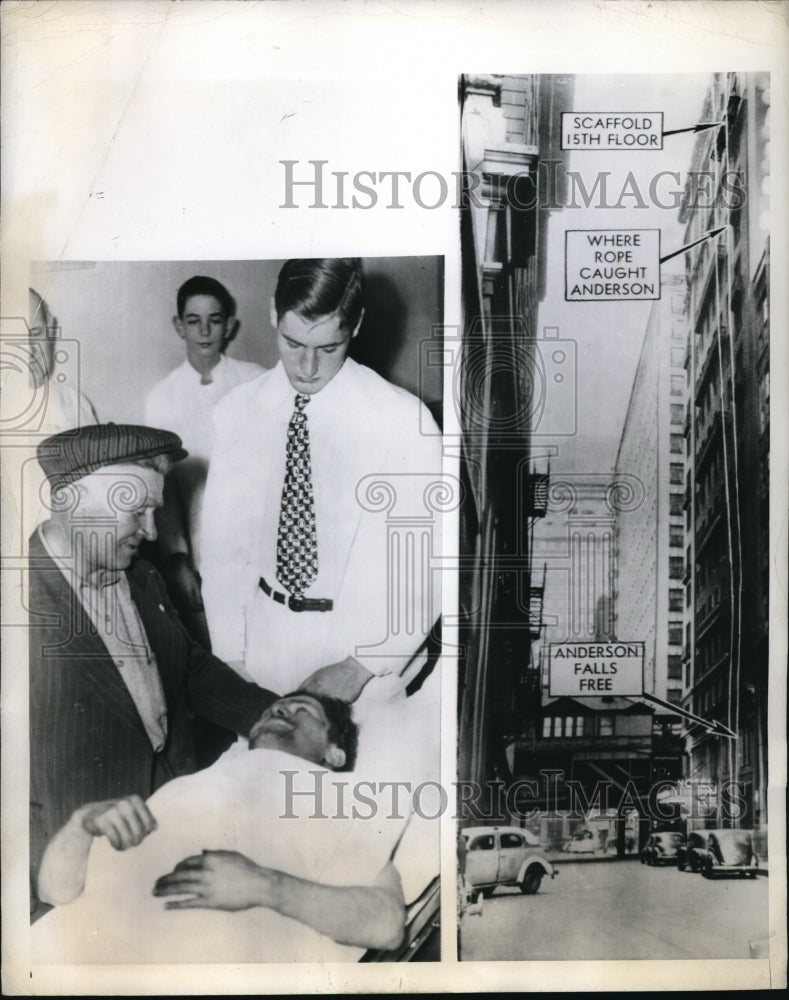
(304,574)
(184,402)
(248,871)
(66,406)
(43,389)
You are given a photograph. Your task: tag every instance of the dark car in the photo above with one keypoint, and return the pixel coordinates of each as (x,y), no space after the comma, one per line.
(730,852)
(661,848)
(692,854)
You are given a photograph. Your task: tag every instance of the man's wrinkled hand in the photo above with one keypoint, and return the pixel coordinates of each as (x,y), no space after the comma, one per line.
(344,680)
(124,822)
(217,880)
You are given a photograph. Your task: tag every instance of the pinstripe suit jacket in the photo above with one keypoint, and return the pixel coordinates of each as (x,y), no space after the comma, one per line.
(87,740)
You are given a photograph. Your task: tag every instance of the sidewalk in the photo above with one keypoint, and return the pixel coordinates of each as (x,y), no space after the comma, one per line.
(560,858)
(565,857)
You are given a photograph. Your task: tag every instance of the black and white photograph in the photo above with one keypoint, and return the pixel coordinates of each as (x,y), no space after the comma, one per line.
(613,705)
(233,556)
(395,476)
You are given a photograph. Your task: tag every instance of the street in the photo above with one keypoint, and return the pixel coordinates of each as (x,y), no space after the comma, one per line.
(619,910)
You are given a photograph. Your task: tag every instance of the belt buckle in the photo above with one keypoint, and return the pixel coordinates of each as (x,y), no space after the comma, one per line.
(296,603)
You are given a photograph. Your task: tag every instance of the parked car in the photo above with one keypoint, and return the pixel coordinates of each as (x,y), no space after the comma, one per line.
(582,842)
(661,848)
(730,852)
(692,854)
(504,855)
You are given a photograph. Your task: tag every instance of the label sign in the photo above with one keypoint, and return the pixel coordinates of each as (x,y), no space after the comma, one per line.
(584,669)
(612,130)
(611,265)
(696,798)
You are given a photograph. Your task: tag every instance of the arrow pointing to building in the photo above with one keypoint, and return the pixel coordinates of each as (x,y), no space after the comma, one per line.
(712,725)
(707,236)
(701,127)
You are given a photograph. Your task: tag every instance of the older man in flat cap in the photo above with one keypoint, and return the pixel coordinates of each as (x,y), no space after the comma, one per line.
(115,679)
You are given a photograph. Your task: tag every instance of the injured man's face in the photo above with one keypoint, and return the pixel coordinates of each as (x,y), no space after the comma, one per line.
(298,724)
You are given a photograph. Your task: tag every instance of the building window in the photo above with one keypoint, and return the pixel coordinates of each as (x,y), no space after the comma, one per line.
(764,309)
(676,536)
(676,567)
(675,668)
(675,504)
(677,413)
(745,747)
(605,726)
(677,470)
(677,385)
(764,400)
(675,601)
(674,695)
(568,726)
(678,356)
(675,633)
(546,726)
(496,242)
(557,726)
(677,444)
(579,725)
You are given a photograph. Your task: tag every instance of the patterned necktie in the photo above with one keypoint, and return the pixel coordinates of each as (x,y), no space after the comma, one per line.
(297,542)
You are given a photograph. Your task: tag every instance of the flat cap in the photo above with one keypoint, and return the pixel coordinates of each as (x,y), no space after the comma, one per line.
(72,454)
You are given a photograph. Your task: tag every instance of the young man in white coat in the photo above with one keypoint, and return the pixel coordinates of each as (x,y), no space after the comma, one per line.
(318,529)
(183,402)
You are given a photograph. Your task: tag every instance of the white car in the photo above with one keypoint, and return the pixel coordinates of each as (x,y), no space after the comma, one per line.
(504,855)
(582,842)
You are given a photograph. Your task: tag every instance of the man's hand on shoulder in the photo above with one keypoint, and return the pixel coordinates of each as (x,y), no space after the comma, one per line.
(345,680)
(124,822)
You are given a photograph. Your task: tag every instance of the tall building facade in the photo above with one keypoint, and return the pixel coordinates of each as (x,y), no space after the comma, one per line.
(649,598)
(509,123)
(575,545)
(587,744)
(725,656)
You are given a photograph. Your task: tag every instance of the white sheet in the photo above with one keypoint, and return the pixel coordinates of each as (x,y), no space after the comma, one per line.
(237,804)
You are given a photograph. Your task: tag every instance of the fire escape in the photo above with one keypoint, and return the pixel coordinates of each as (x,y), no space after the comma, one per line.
(530,680)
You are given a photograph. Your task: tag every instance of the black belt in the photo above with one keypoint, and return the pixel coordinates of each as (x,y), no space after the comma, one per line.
(296,603)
